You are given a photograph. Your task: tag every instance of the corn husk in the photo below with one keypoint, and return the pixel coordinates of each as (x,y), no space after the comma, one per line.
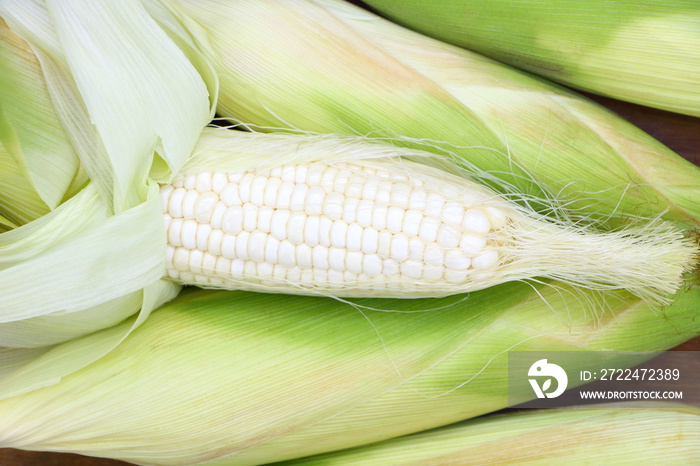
(605,434)
(643,52)
(87,127)
(327,66)
(246,378)
(31,138)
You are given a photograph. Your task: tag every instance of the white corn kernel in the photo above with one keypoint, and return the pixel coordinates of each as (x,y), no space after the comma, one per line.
(165,193)
(189,182)
(236,267)
(452,213)
(370,240)
(195,261)
(328,178)
(320,257)
(230,195)
(314,200)
(384,244)
(217,215)
(394,219)
(304,257)
(214,242)
(314,174)
(411,222)
(333,206)
(265,219)
(350,210)
(456,277)
(372,265)
(336,259)
(300,172)
(284,195)
(188,234)
(218,182)
(175,203)
(324,231)
(485,261)
(399,195)
(364,213)
(457,260)
(244,187)
(250,217)
(279,223)
(202,182)
(471,244)
(311,230)
(476,221)
(416,249)
(204,206)
(272,187)
(379,214)
(256,246)
(339,234)
(429,228)
(174,238)
(228,246)
(272,247)
(353,261)
(232,222)
(223,265)
(296,227)
(287,254)
(399,247)
(297,201)
(242,240)
(448,236)
(354,237)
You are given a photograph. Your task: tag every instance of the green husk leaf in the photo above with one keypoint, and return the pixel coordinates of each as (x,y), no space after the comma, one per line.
(117,103)
(643,52)
(94,265)
(201,380)
(31,133)
(23,370)
(132,106)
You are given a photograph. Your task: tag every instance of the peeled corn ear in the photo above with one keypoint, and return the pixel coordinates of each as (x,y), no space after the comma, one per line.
(349,217)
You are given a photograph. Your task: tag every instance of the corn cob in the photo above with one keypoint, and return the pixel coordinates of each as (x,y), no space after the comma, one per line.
(363,222)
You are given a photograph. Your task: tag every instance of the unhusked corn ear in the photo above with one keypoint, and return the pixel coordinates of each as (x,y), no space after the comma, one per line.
(613,433)
(427,94)
(359,222)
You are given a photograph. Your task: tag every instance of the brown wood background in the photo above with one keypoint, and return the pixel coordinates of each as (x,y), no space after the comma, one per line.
(679,132)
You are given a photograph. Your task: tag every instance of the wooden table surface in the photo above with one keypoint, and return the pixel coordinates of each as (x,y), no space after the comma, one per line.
(680,133)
